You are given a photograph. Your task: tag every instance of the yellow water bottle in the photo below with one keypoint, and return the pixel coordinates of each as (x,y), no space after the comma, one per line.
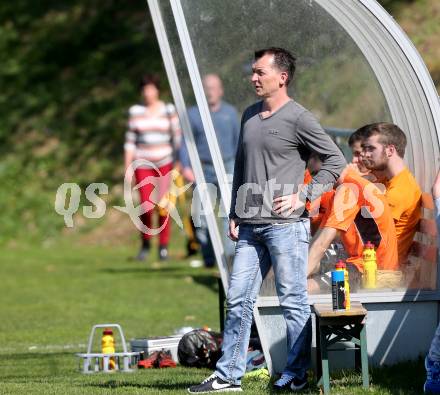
(342,267)
(108,346)
(370,265)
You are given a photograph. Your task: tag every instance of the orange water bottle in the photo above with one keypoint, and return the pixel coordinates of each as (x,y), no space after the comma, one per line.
(108,346)
(370,265)
(341,266)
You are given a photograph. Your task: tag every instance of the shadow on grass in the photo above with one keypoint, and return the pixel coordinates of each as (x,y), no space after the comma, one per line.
(38,366)
(137,270)
(404,378)
(208,280)
(113,384)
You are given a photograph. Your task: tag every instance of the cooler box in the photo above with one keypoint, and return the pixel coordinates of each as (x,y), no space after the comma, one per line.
(153,344)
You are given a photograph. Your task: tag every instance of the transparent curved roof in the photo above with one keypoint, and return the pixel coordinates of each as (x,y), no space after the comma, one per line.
(355,66)
(333,78)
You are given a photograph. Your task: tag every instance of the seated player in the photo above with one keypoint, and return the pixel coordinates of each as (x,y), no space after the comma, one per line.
(383,149)
(359,213)
(318,208)
(355,144)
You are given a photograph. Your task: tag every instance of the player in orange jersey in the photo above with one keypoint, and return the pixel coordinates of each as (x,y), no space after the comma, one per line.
(383,149)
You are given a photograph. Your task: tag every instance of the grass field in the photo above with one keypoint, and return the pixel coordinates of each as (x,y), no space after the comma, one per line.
(52,295)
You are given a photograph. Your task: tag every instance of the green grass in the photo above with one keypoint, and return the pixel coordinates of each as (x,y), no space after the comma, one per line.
(51,296)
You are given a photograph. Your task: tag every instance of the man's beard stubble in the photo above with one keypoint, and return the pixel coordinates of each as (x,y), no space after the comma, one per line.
(377,166)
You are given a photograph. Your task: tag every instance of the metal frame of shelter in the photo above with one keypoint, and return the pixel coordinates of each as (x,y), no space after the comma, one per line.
(408,89)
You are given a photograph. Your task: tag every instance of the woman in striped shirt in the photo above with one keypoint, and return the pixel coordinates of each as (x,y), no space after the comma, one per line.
(152,138)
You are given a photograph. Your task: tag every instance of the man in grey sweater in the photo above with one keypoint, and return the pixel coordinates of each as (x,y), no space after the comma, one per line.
(277,137)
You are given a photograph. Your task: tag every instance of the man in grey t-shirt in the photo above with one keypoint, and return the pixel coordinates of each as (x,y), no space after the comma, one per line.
(277,136)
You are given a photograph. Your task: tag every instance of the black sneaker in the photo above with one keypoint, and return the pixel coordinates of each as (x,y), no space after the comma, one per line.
(163,253)
(144,251)
(213,384)
(288,382)
(192,248)
(142,254)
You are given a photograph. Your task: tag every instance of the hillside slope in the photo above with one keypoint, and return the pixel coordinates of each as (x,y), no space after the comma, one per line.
(68,74)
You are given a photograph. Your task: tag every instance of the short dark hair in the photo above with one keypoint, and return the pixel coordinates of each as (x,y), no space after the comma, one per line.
(356,136)
(147,79)
(283,60)
(389,134)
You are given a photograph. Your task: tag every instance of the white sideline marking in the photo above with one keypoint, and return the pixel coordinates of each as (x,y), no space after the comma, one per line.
(56,347)
(47,347)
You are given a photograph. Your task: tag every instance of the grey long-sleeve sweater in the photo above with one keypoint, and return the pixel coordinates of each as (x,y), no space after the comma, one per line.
(271,159)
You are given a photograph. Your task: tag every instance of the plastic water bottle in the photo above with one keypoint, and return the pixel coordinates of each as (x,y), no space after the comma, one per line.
(338,290)
(341,266)
(108,346)
(370,265)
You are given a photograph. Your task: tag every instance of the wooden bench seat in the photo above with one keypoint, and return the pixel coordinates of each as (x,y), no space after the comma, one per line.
(338,327)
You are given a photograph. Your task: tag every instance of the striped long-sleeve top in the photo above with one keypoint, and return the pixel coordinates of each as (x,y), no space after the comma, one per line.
(153,137)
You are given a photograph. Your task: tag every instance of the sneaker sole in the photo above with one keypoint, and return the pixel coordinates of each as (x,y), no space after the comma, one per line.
(221,390)
(291,387)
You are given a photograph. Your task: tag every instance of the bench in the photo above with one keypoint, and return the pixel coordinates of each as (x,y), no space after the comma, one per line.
(335,327)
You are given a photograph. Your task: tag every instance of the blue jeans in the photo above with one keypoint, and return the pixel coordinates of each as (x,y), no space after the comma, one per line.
(434,350)
(285,247)
(202,232)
